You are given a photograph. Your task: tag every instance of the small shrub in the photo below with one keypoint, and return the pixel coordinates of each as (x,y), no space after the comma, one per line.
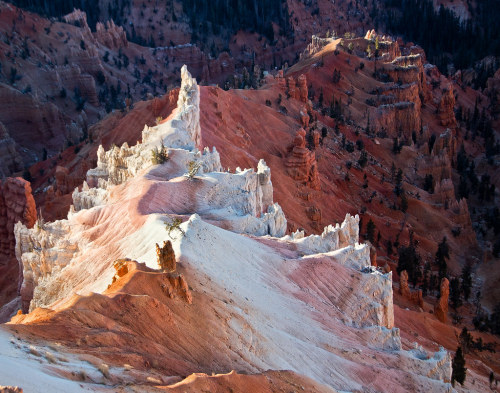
(174,225)
(159,155)
(193,168)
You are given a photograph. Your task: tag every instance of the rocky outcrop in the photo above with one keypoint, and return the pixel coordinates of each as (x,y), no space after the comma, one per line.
(42,251)
(441,307)
(16,204)
(118,164)
(334,237)
(409,69)
(297,88)
(301,162)
(446,114)
(398,120)
(165,256)
(291,91)
(388,48)
(10,389)
(444,192)
(446,143)
(176,284)
(404,290)
(172,284)
(302,88)
(438,165)
(304,117)
(280,77)
(316,44)
(111,35)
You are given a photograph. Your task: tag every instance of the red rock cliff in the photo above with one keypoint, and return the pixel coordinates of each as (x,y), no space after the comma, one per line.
(16,204)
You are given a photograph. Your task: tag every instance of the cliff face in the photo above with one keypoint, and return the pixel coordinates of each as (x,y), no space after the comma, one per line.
(28,123)
(16,205)
(399,110)
(398,120)
(11,159)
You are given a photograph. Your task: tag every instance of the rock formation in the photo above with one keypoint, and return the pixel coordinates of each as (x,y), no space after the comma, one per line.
(398,120)
(398,112)
(281,80)
(111,35)
(441,307)
(297,89)
(446,106)
(302,88)
(304,117)
(301,162)
(291,91)
(334,237)
(407,70)
(316,44)
(404,290)
(16,204)
(10,389)
(324,282)
(166,256)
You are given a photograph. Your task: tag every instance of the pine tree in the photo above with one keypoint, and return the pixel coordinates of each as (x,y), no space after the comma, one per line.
(370,231)
(458,365)
(466,281)
(442,254)
(389,248)
(410,261)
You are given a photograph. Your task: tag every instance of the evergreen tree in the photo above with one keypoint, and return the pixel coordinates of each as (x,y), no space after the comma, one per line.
(458,366)
(466,281)
(389,247)
(404,201)
(398,189)
(442,254)
(370,231)
(410,261)
(429,183)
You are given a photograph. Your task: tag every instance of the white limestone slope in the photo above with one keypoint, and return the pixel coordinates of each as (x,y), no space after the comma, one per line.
(296,302)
